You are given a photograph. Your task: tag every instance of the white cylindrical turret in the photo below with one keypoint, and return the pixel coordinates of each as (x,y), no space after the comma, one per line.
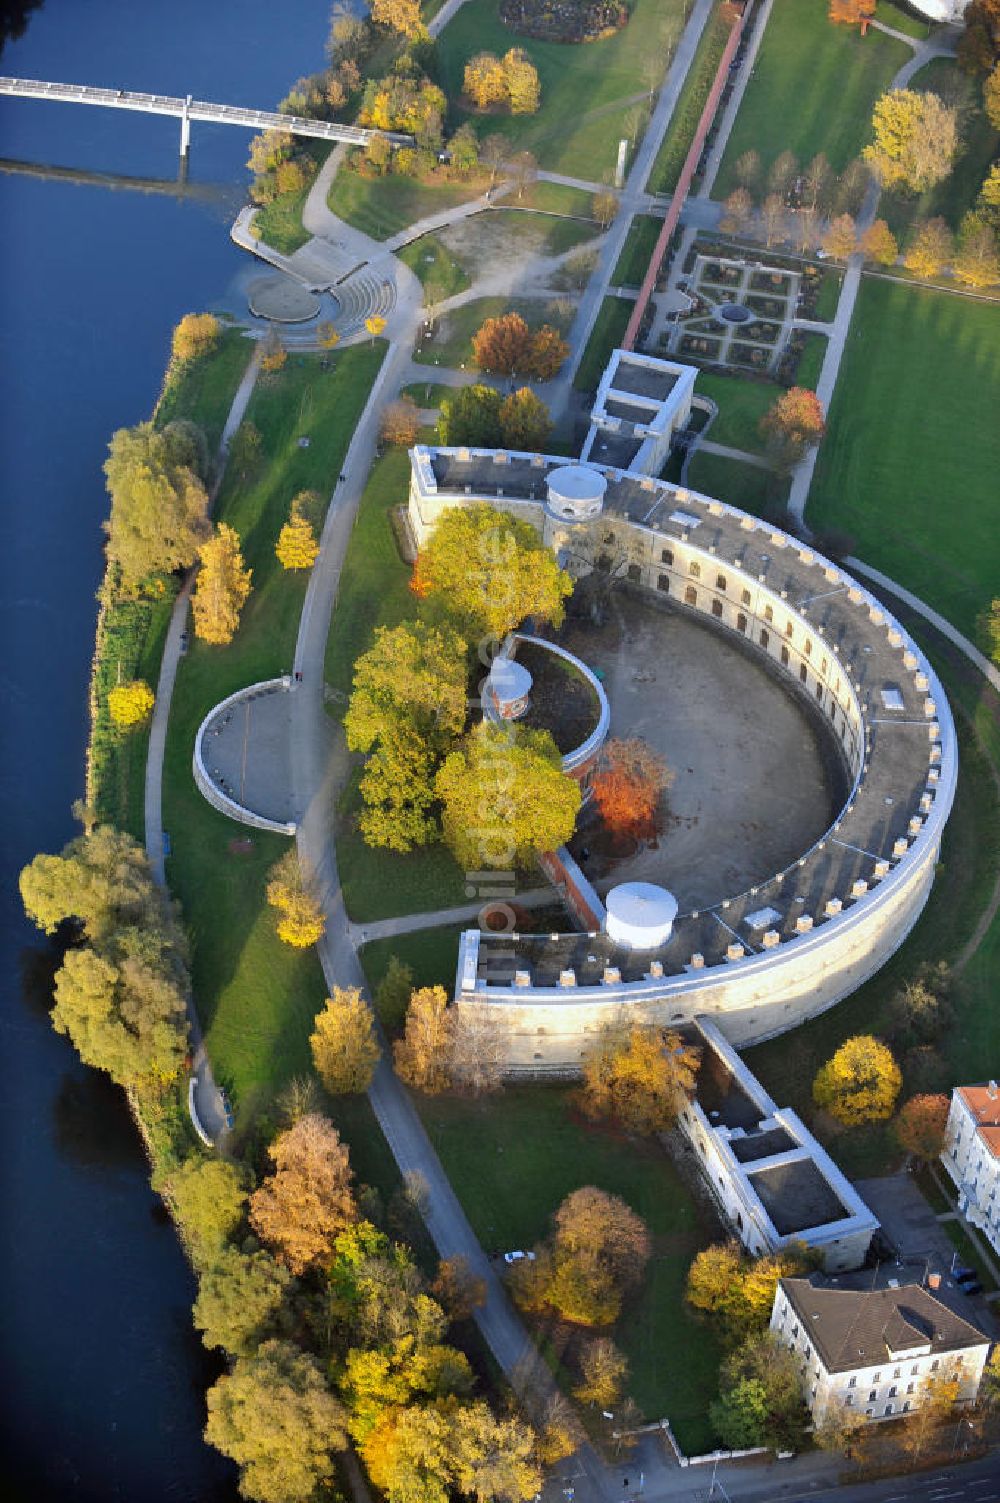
(576,492)
(640,915)
(509,688)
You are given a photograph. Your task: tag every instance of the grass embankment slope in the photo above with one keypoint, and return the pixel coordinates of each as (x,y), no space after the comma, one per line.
(606,335)
(813,88)
(910,462)
(132,632)
(382,206)
(256,997)
(587,90)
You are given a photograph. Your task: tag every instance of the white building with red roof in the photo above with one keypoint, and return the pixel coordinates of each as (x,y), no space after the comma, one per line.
(972,1155)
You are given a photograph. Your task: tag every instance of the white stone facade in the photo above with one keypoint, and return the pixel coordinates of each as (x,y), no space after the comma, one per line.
(972,1155)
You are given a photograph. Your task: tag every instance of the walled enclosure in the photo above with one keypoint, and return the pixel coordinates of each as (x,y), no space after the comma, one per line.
(762,961)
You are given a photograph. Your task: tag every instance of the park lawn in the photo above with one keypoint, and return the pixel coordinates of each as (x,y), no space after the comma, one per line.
(431,954)
(440,273)
(691,102)
(452,343)
(980,144)
(381,884)
(606,335)
(742,485)
(962,891)
(829,296)
(813,89)
(898,17)
(637,252)
(203,390)
(427,394)
(811,360)
(255,996)
(550,198)
(512,1159)
(911,457)
(382,206)
(587,90)
(742,403)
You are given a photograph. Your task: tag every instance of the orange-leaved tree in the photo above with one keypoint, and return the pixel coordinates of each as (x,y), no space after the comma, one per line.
(791,425)
(920,1126)
(627,786)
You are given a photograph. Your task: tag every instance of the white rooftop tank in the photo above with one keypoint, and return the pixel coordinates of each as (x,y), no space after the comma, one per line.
(575,492)
(640,915)
(509,687)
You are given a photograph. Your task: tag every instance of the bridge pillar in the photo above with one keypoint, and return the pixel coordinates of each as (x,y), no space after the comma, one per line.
(185,130)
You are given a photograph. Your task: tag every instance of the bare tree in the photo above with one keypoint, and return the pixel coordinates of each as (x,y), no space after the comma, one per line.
(477,1050)
(782,173)
(773,218)
(523,171)
(748,169)
(736,212)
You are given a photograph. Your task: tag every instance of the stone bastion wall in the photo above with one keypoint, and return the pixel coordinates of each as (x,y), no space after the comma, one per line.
(763,961)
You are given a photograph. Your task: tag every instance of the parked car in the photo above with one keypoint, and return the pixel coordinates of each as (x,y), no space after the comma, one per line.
(962,1275)
(518,1256)
(972,1287)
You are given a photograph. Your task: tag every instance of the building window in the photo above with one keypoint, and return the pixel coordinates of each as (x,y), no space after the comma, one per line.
(768,613)
(716,607)
(663,583)
(819,689)
(720,581)
(690,595)
(634,572)
(764,638)
(784,654)
(849,1401)
(910,1387)
(915,1368)
(666,557)
(893,1391)
(897,1372)
(887,1410)
(803,672)
(745,597)
(906,1408)
(935,1365)
(876,1377)
(795,1330)
(853,1383)
(694,569)
(741,622)
(823,666)
(789,628)
(871,1397)
(809,647)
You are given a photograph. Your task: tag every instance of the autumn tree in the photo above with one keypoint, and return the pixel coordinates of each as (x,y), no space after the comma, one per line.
(525,421)
(990,629)
(988,202)
(478,1049)
(397,791)
(979,44)
(483,80)
(301,922)
(522,170)
(297,547)
(991,97)
(736,1291)
(524,91)
(760,1398)
(879,244)
(628,783)
(464,151)
(307,1200)
(840,238)
(604,1372)
(222,587)
(194,336)
(503,345)
(274,1415)
(916,137)
(782,173)
(921,1010)
(747,170)
(920,1126)
(549,352)
(397,15)
(240,1300)
(375,325)
(851,12)
(208,1197)
(273,354)
(816,181)
(736,212)
(600,1249)
(490,572)
(326,335)
(604,207)
(400,422)
(423,1055)
(859,1083)
(930,248)
(130,704)
(345,1050)
(493,1457)
(457,1289)
(792,424)
(976,262)
(505,798)
(938,1397)
(774,218)
(159,505)
(638,1076)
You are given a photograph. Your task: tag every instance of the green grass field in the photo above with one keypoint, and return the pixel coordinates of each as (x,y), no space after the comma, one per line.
(382,206)
(279,223)
(204,389)
(741,485)
(427,393)
(256,997)
(813,89)
(441,273)
(896,16)
(609,328)
(512,1160)
(633,262)
(742,403)
(693,96)
(910,462)
(980,144)
(551,198)
(452,344)
(431,955)
(811,361)
(587,91)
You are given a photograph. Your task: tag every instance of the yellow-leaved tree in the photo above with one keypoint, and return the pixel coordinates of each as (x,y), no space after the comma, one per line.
(302,922)
(130,704)
(345,1050)
(297,547)
(916,138)
(222,588)
(860,1083)
(423,1054)
(195,335)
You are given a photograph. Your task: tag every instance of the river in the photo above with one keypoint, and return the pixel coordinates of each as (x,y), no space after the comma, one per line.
(103,1375)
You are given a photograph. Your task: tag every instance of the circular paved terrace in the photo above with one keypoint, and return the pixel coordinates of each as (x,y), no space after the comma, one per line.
(281,300)
(241,756)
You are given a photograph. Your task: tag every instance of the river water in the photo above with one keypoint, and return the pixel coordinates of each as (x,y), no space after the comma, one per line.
(103,1375)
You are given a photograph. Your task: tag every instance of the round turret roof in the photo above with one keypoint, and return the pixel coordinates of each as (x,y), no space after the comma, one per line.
(509,680)
(576,483)
(639,907)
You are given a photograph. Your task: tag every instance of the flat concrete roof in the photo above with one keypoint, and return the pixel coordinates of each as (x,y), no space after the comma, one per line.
(795,1196)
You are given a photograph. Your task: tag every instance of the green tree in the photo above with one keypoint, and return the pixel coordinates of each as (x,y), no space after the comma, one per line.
(988,202)
(159,505)
(245,451)
(276,1418)
(859,1083)
(397,792)
(240,1300)
(990,628)
(490,572)
(760,1399)
(506,798)
(470,417)
(916,138)
(640,1077)
(413,675)
(345,1050)
(208,1197)
(991,97)
(103,881)
(221,589)
(525,421)
(393,993)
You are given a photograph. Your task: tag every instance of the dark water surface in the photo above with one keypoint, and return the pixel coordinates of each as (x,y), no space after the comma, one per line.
(103,1377)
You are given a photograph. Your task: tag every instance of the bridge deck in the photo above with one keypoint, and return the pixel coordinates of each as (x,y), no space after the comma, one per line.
(192,109)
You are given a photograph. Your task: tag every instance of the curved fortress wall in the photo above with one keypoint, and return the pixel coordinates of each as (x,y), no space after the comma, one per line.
(762,961)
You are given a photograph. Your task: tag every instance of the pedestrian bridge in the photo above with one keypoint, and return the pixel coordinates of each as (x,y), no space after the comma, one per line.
(188,109)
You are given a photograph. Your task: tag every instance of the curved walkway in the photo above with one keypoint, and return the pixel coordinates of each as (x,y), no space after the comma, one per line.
(205,1097)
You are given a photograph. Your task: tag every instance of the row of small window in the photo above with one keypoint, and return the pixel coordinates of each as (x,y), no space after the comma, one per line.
(889,1408)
